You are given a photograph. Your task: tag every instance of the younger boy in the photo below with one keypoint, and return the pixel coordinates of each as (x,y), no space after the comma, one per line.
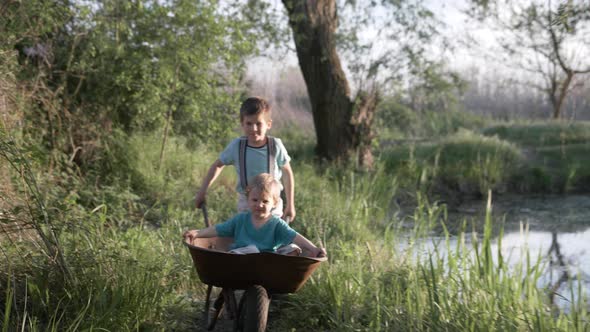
(259,226)
(252,154)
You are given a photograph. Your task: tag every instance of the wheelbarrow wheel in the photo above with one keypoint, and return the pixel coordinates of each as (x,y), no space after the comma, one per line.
(255,314)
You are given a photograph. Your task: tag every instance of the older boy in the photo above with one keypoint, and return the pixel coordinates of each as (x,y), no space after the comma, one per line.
(252,154)
(258,226)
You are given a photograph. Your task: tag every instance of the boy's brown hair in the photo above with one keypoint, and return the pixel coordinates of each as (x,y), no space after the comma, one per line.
(266,183)
(253,106)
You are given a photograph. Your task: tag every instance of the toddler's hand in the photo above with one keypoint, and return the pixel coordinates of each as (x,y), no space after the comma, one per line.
(321,252)
(190,235)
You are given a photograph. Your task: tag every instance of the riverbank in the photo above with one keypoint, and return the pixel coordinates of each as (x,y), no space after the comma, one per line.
(527,158)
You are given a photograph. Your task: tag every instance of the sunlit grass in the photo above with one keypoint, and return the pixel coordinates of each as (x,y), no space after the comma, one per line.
(465,162)
(540,134)
(417,287)
(383,272)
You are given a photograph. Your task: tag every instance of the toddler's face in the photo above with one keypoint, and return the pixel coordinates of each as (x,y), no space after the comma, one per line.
(260,203)
(255,127)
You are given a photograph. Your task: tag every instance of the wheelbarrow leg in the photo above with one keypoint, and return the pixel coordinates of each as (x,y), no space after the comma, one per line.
(230,300)
(211,319)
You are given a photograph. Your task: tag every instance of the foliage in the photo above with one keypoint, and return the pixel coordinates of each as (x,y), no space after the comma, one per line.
(542,134)
(396,120)
(132,272)
(89,88)
(557,153)
(466,162)
(452,285)
(406,26)
(93,68)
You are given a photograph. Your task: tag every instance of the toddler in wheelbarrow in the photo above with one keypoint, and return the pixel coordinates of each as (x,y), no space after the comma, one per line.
(241,253)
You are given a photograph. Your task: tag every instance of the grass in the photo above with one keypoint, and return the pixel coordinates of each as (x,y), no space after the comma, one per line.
(542,134)
(375,286)
(131,271)
(561,170)
(465,162)
(395,121)
(557,155)
(519,157)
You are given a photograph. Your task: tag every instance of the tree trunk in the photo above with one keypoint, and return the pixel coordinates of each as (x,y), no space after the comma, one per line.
(342,125)
(558,101)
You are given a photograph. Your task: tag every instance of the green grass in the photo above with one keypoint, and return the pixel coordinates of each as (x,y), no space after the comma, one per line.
(567,167)
(523,158)
(465,162)
(395,121)
(377,287)
(541,134)
(131,272)
(557,155)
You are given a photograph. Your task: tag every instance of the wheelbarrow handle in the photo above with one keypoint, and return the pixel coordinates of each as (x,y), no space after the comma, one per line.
(205,215)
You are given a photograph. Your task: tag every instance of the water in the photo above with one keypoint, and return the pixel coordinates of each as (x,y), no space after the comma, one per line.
(554,228)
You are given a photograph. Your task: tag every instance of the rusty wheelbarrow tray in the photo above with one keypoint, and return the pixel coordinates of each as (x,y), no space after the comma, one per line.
(275,272)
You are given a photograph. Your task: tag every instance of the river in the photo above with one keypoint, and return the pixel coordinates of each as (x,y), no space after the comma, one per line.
(555,228)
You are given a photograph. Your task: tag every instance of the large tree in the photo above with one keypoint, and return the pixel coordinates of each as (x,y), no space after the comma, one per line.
(397,33)
(548,40)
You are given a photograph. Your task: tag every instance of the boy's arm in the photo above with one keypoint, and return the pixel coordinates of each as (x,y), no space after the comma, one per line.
(289,182)
(212,174)
(189,236)
(305,244)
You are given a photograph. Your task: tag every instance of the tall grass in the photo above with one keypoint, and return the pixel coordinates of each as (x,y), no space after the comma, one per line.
(465,162)
(132,272)
(402,283)
(557,154)
(127,272)
(538,134)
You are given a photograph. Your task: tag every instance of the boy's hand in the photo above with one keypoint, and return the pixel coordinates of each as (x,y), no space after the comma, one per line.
(289,214)
(190,235)
(200,199)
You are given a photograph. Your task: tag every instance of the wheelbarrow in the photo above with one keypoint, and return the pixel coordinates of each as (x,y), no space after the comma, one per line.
(259,274)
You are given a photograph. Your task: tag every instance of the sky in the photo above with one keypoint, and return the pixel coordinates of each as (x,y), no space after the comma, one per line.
(464,57)
(448,11)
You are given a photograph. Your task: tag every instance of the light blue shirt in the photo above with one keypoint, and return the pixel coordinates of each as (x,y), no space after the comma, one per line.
(256,159)
(275,233)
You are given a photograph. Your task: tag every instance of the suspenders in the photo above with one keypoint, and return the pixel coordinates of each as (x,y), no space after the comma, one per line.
(272,151)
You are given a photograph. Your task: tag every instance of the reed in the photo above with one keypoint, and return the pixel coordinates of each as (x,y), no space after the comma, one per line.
(406,282)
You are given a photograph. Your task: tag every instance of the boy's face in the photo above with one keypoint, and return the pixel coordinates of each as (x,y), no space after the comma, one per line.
(255,127)
(260,203)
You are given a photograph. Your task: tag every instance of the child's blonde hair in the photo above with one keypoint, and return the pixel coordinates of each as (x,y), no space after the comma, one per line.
(265,183)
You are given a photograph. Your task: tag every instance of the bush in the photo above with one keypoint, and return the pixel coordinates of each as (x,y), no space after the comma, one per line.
(539,134)
(394,120)
(466,162)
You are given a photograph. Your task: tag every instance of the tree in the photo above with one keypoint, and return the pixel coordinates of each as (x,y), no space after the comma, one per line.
(342,124)
(548,40)
(134,65)
(343,121)
(170,65)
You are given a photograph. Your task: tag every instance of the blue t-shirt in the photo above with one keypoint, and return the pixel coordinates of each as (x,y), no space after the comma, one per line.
(269,237)
(256,159)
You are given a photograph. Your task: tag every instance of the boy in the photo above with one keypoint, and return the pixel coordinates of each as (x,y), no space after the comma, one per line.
(252,154)
(258,226)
